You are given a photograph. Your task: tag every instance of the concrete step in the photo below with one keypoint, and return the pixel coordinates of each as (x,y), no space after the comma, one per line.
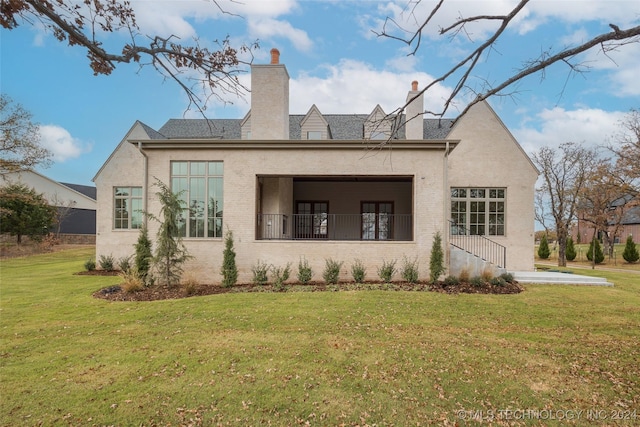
(558,278)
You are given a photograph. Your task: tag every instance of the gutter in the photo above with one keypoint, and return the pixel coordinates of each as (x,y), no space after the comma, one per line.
(145,182)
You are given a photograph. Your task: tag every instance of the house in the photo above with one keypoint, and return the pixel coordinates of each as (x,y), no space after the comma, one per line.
(318,186)
(623,221)
(76,204)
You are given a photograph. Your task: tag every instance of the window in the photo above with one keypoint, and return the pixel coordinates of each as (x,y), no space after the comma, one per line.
(478,211)
(127,208)
(199,185)
(377,220)
(314,134)
(311,220)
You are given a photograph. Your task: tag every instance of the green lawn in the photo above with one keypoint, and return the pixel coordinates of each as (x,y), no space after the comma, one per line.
(326,358)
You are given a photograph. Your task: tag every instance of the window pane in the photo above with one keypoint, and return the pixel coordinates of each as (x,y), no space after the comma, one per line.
(122,191)
(198,168)
(136,192)
(178,168)
(215,168)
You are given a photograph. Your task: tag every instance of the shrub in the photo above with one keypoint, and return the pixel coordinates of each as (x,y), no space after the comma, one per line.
(189,285)
(331,273)
(543,250)
(507,277)
(436,262)
(280,275)
(229,269)
(477,281)
(106,262)
(305,273)
(409,270)
(131,281)
(90,265)
(487,275)
(387,271)
(124,264)
(595,249)
(144,255)
(464,275)
(451,281)
(570,250)
(260,273)
(630,253)
(358,271)
(498,281)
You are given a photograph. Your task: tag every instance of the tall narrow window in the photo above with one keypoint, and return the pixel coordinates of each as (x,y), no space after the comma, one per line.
(478,211)
(377,220)
(127,208)
(199,185)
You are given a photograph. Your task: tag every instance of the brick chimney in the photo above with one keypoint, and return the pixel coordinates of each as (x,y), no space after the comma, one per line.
(270,99)
(414,127)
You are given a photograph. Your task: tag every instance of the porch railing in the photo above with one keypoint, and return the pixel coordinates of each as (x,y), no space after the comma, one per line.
(477,245)
(386,227)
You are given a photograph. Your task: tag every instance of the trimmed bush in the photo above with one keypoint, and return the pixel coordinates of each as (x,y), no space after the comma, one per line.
(451,280)
(280,275)
(409,270)
(387,271)
(90,265)
(305,273)
(260,273)
(331,273)
(358,271)
(124,264)
(507,277)
(144,254)
(106,262)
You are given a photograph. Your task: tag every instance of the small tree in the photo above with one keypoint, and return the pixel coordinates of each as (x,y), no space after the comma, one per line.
(570,252)
(436,263)
(144,254)
(595,252)
(630,253)
(229,267)
(23,212)
(171,253)
(543,250)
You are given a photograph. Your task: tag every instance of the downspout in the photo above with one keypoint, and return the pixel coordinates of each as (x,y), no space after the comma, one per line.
(446,206)
(145,182)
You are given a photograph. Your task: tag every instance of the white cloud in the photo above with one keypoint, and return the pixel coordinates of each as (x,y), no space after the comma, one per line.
(268,28)
(361,84)
(60,142)
(552,127)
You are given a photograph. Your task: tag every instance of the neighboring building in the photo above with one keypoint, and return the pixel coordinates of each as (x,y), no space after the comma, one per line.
(629,226)
(318,186)
(76,203)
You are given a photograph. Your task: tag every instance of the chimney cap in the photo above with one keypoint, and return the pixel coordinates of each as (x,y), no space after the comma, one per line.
(414,85)
(275,56)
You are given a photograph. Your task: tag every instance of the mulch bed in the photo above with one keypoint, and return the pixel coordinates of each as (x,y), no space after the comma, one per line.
(155,293)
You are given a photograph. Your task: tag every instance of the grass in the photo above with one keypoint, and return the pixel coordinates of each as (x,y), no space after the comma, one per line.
(326,358)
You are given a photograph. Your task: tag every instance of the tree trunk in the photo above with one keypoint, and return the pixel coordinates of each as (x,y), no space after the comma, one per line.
(562,247)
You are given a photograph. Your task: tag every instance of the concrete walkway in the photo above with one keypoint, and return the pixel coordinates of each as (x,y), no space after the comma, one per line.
(558,278)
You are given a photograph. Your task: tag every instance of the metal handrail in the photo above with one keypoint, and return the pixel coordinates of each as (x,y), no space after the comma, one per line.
(477,245)
(365,227)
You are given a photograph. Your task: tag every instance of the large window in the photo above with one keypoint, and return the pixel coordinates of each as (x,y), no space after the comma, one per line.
(199,185)
(127,208)
(478,211)
(376,220)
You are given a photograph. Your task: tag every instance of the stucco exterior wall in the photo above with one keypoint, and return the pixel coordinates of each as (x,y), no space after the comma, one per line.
(241,169)
(489,156)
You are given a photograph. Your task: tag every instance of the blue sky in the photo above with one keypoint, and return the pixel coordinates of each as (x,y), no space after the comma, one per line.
(335,61)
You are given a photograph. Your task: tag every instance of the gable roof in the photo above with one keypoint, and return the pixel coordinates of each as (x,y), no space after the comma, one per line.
(87,190)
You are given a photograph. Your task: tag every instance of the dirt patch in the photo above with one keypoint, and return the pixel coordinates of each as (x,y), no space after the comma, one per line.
(155,293)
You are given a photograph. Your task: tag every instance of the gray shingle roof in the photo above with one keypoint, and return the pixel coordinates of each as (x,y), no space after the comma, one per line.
(341,127)
(87,190)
